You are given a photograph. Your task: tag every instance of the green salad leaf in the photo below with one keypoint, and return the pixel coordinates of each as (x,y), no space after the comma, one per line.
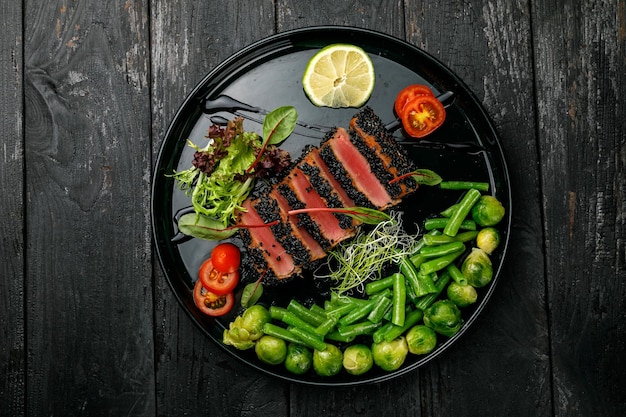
(223,172)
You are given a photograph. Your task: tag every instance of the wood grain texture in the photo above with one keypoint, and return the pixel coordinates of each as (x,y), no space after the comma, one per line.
(12,341)
(194,376)
(510,334)
(381,15)
(90,325)
(88,289)
(580,55)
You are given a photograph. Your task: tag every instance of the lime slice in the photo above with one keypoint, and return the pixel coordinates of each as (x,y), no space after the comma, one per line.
(339,75)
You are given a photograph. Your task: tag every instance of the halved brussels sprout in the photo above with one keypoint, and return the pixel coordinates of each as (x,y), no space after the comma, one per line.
(488,239)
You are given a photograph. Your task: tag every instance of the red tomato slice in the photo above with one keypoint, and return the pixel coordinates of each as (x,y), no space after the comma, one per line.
(226,257)
(212,304)
(215,281)
(422,115)
(409,93)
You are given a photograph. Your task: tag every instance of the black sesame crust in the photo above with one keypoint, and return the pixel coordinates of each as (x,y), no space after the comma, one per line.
(376,165)
(338,171)
(327,192)
(372,125)
(304,220)
(254,264)
(269,211)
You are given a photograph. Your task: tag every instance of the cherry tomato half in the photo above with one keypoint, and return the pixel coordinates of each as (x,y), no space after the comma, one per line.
(226,257)
(409,93)
(212,304)
(422,115)
(215,281)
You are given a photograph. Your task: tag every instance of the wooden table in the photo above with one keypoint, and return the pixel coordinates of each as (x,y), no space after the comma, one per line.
(90,325)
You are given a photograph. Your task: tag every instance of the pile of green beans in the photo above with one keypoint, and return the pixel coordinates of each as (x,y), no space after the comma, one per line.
(392,305)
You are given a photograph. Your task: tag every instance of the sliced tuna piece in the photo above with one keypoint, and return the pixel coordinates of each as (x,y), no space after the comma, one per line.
(263,240)
(359,170)
(314,250)
(329,224)
(303,221)
(369,135)
(270,212)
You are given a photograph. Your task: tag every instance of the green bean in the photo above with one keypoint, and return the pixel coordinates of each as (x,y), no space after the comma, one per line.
(465,205)
(316,309)
(450,210)
(343,299)
(374,287)
(417,259)
(442,222)
(381,306)
(277,313)
(357,313)
(466,236)
(424,302)
(340,309)
(295,321)
(281,333)
(412,318)
(419,285)
(380,332)
(441,250)
(337,337)
(358,329)
(304,313)
(399,300)
(437,264)
(456,274)
(432,240)
(464,185)
(421,243)
(311,339)
(327,325)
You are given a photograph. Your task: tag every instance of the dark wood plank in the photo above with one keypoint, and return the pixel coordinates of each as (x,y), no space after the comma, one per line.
(506,353)
(89,311)
(12,353)
(580,49)
(195,376)
(382,15)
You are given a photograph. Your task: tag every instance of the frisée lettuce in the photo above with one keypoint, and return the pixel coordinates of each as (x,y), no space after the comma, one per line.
(223,172)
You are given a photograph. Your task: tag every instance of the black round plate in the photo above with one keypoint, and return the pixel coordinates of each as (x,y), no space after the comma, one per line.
(268,75)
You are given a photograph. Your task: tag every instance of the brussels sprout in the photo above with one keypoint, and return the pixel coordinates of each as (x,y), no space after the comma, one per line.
(271,350)
(299,359)
(390,355)
(444,317)
(488,239)
(477,268)
(357,359)
(327,362)
(487,211)
(421,339)
(246,328)
(462,295)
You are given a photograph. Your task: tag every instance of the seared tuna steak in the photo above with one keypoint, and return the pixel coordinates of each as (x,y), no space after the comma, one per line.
(350,168)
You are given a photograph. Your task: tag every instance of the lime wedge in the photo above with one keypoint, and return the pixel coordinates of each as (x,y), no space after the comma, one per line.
(339,75)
